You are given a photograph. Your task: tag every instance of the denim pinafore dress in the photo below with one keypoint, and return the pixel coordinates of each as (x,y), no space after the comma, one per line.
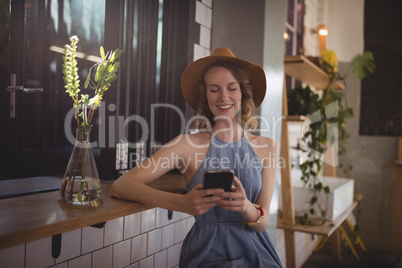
(218,238)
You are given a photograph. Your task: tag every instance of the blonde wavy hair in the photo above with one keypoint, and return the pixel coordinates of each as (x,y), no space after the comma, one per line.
(205,118)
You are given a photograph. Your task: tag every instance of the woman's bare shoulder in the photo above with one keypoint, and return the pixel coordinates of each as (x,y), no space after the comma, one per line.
(260,140)
(263,145)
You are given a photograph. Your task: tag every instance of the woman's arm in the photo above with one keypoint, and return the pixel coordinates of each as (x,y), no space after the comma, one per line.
(133,185)
(268,175)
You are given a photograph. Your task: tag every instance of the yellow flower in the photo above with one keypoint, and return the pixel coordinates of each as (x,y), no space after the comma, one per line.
(329,56)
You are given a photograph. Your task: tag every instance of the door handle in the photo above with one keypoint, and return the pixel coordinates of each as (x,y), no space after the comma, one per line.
(13,88)
(24,89)
(33,90)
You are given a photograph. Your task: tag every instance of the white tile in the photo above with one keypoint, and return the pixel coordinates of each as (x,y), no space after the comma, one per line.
(190,222)
(167,236)
(134,265)
(205,37)
(203,14)
(60,265)
(92,239)
(103,258)
(39,253)
(13,256)
(208,3)
(174,255)
(207,52)
(148,219)
(185,216)
(180,231)
(113,231)
(70,245)
(208,18)
(121,254)
(154,241)
(198,52)
(160,259)
(138,248)
(147,263)
(80,262)
(200,13)
(132,225)
(161,217)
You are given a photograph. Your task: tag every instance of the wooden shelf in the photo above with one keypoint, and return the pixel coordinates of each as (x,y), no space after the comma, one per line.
(324,230)
(307,72)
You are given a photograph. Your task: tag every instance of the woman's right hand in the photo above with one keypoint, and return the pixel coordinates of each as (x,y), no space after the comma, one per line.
(199,201)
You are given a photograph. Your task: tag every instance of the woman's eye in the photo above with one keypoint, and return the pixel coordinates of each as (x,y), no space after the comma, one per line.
(213,89)
(233,88)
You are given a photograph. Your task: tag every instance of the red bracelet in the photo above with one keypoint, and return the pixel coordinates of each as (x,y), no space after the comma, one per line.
(258,221)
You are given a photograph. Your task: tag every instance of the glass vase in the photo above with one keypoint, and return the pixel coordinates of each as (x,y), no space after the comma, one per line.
(81,184)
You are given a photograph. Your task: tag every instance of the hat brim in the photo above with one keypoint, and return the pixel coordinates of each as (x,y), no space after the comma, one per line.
(191,78)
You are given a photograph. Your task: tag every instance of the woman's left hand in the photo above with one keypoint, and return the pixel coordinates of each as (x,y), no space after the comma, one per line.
(235,200)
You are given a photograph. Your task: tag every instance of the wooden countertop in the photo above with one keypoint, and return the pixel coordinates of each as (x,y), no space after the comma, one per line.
(32,217)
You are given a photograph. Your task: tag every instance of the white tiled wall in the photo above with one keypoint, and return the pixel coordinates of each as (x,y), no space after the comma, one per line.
(203,16)
(144,239)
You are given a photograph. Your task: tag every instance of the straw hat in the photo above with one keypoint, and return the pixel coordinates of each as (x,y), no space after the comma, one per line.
(191,76)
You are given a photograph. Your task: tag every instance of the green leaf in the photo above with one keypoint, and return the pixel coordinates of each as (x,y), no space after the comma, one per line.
(326,189)
(102,52)
(348,113)
(363,65)
(88,78)
(313,200)
(118,52)
(318,186)
(98,72)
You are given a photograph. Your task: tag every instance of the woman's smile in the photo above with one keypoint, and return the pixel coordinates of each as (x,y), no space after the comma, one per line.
(225,108)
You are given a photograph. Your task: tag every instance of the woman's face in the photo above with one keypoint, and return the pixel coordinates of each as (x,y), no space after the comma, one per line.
(223,92)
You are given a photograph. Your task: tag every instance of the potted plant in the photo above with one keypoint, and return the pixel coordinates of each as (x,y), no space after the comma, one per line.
(81,184)
(304,101)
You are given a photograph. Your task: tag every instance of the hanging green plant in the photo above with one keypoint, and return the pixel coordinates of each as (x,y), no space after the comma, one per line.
(333,111)
(303,101)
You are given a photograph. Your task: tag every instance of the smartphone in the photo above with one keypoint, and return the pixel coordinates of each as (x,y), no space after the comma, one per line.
(218,179)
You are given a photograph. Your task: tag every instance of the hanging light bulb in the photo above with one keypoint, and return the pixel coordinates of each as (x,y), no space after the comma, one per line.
(322,30)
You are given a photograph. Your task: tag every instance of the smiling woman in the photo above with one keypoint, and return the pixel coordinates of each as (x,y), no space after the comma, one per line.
(227,223)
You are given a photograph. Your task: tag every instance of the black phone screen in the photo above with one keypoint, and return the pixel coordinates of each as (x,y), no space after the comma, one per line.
(218,179)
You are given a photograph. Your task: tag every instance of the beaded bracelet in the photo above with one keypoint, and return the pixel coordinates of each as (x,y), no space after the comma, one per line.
(256,222)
